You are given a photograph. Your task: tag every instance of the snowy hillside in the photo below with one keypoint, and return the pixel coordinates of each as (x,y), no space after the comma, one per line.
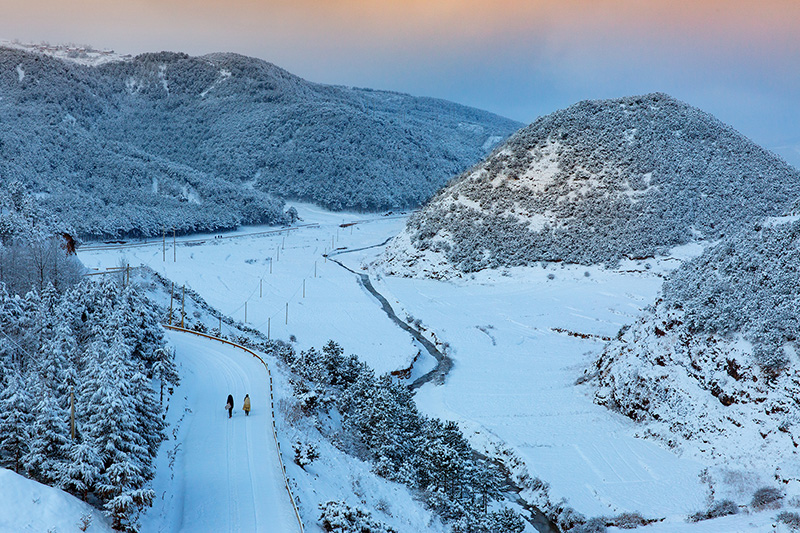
(711,370)
(127,147)
(595,183)
(30,506)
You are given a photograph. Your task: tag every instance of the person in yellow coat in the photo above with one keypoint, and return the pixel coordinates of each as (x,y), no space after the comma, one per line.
(246,406)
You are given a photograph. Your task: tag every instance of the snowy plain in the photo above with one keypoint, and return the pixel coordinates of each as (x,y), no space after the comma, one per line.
(519,338)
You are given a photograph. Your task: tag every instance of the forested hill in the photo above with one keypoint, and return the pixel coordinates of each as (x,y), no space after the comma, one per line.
(714,364)
(596,182)
(203,143)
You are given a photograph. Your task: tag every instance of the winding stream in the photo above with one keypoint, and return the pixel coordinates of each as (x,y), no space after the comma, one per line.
(443,366)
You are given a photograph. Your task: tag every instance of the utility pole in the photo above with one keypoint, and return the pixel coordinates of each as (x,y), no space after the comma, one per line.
(163,243)
(174,250)
(71,414)
(171,295)
(270,265)
(220,325)
(183,304)
(287,313)
(268,326)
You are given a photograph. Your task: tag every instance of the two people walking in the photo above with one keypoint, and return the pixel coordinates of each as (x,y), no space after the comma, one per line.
(245,407)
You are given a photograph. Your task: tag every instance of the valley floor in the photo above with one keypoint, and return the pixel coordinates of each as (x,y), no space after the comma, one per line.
(519,340)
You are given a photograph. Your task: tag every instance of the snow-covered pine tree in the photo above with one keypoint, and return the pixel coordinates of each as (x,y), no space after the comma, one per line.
(57,360)
(15,421)
(112,426)
(49,439)
(80,473)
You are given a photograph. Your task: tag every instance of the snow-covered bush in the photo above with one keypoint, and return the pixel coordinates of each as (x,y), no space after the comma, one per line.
(338,517)
(593,525)
(767,498)
(721,508)
(628,521)
(790,519)
(304,454)
(505,521)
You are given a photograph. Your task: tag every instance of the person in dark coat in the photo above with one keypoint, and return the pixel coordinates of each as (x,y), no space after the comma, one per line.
(229,405)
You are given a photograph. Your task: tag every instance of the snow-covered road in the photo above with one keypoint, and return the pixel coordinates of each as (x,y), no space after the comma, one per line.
(215,473)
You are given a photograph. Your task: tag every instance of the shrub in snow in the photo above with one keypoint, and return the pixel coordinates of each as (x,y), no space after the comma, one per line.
(339,517)
(629,521)
(85,523)
(593,525)
(722,508)
(790,519)
(304,454)
(767,497)
(505,521)
(292,216)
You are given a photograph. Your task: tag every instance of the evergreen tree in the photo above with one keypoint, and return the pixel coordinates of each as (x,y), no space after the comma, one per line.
(80,473)
(111,424)
(15,422)
(49,440)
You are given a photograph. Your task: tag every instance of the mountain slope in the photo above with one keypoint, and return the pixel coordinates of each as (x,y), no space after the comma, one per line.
(596,182)
(706,368)
(210,142)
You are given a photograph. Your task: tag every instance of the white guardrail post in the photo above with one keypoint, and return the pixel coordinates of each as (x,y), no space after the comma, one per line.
(272,409)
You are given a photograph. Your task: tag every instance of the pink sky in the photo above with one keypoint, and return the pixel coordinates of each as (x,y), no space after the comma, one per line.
(739,59)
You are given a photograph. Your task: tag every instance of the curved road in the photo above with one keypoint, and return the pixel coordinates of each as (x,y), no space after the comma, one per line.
(219,474)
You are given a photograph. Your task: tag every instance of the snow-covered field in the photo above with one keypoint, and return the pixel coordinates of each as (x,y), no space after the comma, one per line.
(519,340)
